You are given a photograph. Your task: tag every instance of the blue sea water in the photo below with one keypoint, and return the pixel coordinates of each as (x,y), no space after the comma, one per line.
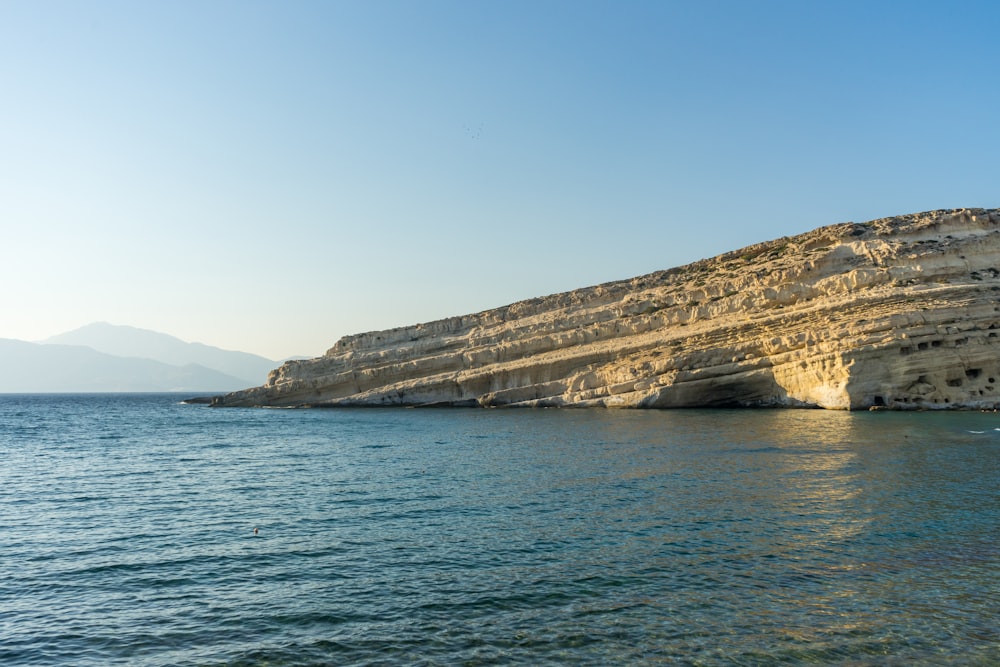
(494,537)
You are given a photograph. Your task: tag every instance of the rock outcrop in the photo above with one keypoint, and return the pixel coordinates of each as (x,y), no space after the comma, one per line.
(900,313)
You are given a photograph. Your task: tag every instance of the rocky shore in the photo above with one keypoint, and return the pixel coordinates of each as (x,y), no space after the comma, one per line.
(897,313)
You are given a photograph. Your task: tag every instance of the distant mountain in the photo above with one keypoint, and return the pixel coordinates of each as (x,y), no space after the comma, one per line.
(33,367)
(125,341)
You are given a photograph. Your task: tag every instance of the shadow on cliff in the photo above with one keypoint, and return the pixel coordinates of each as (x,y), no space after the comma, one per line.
(753,388)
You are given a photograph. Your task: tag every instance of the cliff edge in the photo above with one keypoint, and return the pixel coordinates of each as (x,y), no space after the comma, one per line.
(901,313)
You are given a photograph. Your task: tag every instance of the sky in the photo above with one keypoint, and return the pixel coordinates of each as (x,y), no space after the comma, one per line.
(271,176)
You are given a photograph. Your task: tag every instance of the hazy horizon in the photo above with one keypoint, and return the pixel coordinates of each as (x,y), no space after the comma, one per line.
(269,178)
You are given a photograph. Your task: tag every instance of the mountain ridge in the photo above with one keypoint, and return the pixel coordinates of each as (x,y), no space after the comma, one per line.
(52,368)
(128,341)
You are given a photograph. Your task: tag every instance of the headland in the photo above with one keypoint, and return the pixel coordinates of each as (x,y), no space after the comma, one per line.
(897,313)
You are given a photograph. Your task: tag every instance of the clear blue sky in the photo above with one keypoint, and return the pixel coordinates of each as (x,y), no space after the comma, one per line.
(270,176)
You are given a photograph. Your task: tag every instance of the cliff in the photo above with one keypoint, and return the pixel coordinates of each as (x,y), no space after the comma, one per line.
(901,312)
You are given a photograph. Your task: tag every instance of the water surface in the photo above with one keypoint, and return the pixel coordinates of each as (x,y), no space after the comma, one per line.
(487,537)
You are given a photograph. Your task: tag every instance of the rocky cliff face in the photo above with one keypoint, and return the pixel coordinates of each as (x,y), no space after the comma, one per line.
(900,312)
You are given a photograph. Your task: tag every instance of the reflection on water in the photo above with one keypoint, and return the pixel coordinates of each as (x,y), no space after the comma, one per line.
(822,519)
(817,480)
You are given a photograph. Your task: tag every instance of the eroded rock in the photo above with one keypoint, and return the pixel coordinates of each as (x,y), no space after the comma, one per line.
(900,313)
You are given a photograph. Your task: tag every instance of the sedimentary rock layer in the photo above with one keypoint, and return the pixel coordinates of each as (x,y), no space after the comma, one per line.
(901,313)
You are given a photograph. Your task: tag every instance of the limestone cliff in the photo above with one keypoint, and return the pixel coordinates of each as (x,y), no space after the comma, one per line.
(901,312)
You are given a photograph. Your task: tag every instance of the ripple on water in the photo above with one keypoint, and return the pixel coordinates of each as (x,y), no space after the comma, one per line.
(403,537)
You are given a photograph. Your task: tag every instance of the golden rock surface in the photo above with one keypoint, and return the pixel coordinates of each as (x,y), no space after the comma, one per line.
(901,313)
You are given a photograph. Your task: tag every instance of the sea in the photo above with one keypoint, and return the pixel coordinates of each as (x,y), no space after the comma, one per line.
(139,530)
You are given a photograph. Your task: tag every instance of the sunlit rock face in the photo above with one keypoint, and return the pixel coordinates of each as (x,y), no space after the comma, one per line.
(901,313)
